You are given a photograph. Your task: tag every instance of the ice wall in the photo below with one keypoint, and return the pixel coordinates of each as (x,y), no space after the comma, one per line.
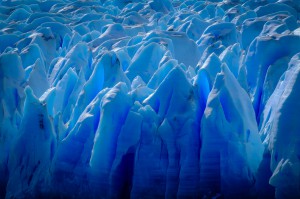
(149,99)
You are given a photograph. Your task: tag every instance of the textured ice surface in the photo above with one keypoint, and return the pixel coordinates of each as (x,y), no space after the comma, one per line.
(149,99)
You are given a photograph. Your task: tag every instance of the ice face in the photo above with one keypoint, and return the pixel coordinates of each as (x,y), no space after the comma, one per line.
(276,135)
(149,99)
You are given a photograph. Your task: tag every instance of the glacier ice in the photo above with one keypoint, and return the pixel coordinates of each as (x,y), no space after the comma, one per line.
(149,99)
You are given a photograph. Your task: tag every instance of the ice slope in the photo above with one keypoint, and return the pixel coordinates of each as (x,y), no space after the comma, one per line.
(149,99)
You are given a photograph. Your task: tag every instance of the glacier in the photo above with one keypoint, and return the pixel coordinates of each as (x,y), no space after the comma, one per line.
(149,99)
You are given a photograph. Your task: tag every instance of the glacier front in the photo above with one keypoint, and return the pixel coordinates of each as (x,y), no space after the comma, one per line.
(149,99)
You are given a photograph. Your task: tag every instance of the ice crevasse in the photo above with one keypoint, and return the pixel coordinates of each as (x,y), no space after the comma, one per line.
(149,99)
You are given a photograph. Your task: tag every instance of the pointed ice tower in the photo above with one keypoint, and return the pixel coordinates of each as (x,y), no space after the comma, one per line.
(231,149)
(32,151)
(174,147)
